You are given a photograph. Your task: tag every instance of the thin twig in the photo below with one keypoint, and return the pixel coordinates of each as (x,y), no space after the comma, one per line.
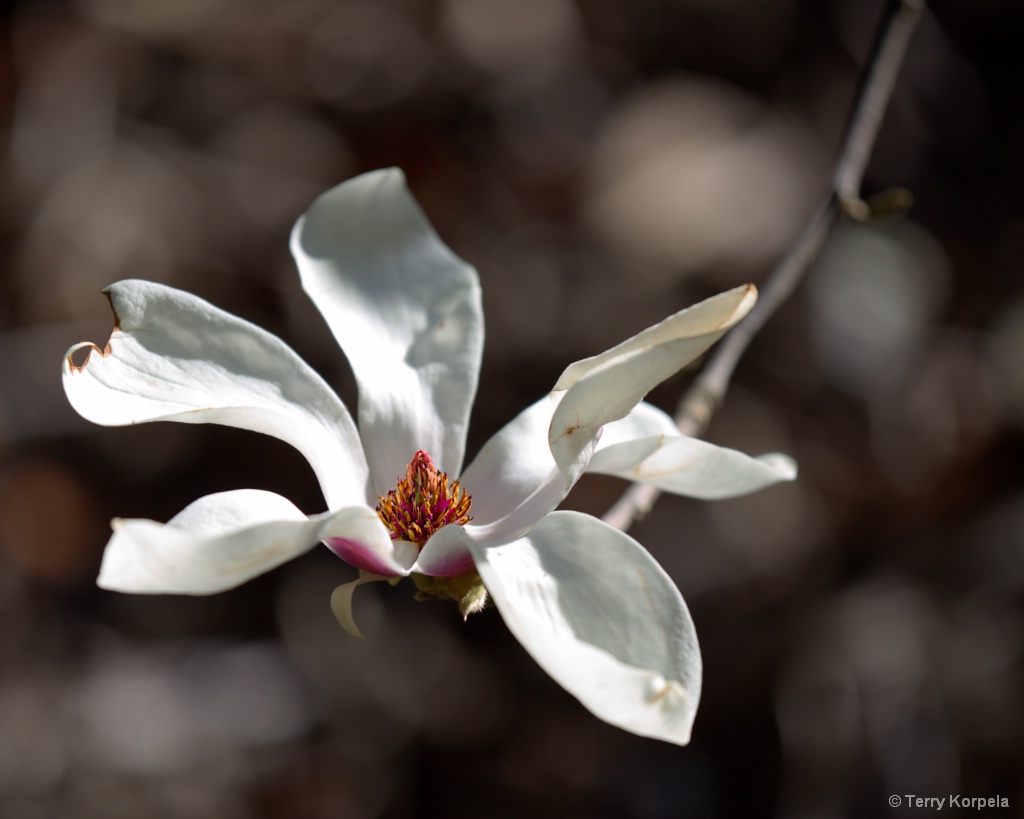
(708,390)
(876,90)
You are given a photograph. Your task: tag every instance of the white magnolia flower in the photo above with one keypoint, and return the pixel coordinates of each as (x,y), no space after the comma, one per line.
(587,601)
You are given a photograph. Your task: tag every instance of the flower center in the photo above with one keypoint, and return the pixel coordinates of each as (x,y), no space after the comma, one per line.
(423,502)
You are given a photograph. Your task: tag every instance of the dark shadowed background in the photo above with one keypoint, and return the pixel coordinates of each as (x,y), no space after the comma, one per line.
(603,163)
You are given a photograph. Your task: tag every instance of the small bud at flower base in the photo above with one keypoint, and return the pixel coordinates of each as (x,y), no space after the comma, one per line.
(465,589)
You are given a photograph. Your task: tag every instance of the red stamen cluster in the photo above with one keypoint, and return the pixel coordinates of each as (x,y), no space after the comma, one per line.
(423,502)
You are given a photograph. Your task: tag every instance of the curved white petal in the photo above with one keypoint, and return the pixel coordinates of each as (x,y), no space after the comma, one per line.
(514,479)
(606,387)
(513,464)
(521,519)
(643,421)
(603,619)
(647,446)
(222,540)
(175,357)
(406,311)
(689,466)
(446,554)
(369,547)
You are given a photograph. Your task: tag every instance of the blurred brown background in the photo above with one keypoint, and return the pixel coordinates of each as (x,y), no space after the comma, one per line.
(603,163)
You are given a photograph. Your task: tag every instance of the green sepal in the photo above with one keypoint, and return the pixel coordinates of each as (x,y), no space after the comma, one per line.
(467,590)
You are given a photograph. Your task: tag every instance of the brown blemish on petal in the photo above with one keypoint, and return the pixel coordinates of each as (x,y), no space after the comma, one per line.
(105,352)
(569,430)
(77,368)
(117,318)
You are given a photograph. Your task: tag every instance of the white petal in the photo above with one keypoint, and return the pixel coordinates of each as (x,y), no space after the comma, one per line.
(521,519)
(606,387)
(603,619)
(513,464)
(691,467)
(370,547)
(643,421)
(446,554)
(220,541)
(647,446)
(407,313)
(514,480)
(174,357)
